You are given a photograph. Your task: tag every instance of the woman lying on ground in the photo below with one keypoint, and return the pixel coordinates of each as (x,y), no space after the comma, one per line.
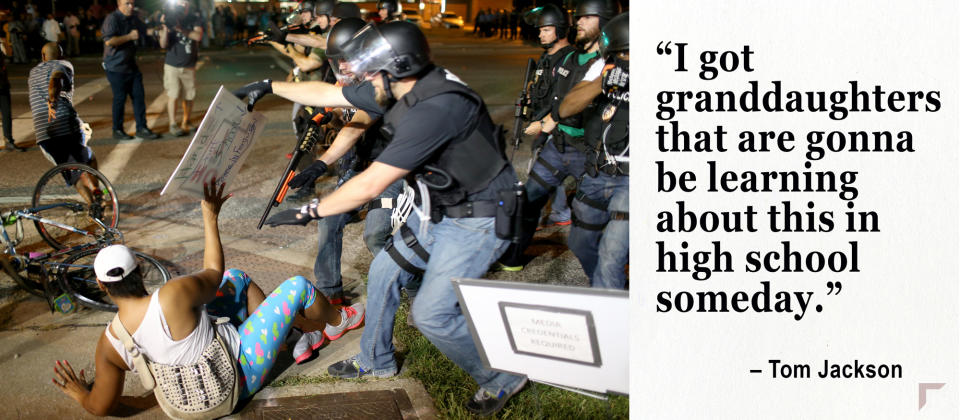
(172,326)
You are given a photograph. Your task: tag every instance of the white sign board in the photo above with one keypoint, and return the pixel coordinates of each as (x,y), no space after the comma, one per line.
(569,336)
(222,143)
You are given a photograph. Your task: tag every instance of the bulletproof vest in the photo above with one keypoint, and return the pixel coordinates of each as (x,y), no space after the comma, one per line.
(570,72)
(542,88)
(472,161)
(607,128)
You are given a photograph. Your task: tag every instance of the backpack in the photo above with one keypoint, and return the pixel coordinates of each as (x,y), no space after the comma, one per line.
(205,389)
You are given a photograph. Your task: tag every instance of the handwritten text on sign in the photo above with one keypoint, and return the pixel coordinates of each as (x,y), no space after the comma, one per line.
(220,146)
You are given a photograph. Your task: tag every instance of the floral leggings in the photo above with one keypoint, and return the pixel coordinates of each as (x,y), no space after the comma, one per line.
(262,333)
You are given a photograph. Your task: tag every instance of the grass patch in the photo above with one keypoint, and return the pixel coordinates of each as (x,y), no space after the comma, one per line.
(309,380)
(450,387)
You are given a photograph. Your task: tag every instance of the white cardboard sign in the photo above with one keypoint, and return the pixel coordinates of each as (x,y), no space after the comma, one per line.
(569,336)
(219,148)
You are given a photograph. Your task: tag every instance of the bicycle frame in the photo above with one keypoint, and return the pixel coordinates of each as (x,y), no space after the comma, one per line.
(47,267)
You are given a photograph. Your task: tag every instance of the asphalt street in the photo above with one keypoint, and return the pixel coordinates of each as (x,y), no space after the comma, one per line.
(168,227)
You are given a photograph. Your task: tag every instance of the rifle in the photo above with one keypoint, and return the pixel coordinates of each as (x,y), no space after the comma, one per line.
(520,108)
(305,142)
(262,37)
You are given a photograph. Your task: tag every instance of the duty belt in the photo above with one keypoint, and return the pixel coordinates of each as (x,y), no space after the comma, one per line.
(468,209)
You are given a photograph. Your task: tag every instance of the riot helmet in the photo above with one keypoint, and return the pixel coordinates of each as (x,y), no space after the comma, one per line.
(398,48)
(605,9)
(324,7)
(615,36)
(344,10)
(549,15)
(392,6)
(340,34)
(305,6)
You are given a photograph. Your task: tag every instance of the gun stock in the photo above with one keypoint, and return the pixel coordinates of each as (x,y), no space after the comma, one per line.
(305,143)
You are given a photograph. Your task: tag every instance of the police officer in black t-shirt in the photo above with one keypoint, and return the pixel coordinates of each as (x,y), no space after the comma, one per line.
(600,238)
(446,147)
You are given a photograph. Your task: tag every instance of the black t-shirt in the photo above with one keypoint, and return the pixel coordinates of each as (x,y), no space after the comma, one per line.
(122,58)
(429,126)
(361,96)
(181,50)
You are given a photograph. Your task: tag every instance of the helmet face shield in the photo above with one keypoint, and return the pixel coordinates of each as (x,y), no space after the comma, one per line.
(341,70)
(368,52)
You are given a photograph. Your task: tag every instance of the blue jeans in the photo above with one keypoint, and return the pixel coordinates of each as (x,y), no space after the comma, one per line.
(569,163)
(559,210)
(123,84)
(463,247)
(326,267)
(603,254)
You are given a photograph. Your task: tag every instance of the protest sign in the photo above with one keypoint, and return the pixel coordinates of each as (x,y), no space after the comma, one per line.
(222,143)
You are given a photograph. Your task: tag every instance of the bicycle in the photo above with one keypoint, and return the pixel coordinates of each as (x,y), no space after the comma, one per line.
(45,276)
(62,202)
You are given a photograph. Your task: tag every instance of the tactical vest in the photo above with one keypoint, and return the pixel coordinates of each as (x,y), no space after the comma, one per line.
(568,73)
(607,132)
(544,79)
(472,161)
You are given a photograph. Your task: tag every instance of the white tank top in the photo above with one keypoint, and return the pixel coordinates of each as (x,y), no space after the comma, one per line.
(154,341)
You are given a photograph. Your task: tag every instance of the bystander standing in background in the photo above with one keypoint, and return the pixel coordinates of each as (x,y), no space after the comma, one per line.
(121,30)
(179,34)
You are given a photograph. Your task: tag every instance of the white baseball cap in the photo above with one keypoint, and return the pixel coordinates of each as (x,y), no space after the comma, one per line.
(112,257)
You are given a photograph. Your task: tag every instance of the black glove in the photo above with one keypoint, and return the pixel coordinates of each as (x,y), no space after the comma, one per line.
(326,118)
(277,35)
(295,217)
(308,176)
(254,92)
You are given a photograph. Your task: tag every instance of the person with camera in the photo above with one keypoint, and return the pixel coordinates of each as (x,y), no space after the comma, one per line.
(180,32)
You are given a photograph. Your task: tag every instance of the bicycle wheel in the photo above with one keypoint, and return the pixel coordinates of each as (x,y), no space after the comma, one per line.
(78,278)
(57,199)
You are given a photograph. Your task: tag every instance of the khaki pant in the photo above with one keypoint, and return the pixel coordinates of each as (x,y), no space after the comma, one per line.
(176,77)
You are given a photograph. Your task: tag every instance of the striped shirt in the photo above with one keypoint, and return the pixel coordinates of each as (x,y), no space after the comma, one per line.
(66,122)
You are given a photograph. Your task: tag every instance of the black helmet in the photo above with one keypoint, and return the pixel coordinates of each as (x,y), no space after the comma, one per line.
(549,15)
(342,32)
(398,48)
(605,9)
(324,7)
(345,10)
(392,6)
(305,6)
(615,36)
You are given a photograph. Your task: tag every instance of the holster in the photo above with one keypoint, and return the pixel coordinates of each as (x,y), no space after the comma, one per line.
(510,212)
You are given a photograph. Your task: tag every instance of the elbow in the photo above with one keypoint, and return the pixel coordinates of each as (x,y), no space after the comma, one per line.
(99,411)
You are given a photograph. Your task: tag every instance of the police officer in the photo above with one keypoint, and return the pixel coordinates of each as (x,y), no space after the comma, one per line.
(562,154)
(553,24)
(389,10)
(356,145)
(444,143)
(600,235)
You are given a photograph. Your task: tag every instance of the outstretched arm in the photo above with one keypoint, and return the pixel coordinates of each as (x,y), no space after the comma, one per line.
(201,287)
